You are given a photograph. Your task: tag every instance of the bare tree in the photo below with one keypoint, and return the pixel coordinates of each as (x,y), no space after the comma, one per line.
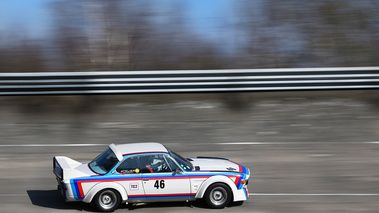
(305,33)
(94,35)
(128,35)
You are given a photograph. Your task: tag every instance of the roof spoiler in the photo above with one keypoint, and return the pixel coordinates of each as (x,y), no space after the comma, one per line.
(116,152)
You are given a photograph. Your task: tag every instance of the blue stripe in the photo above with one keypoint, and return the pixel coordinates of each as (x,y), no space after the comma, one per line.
(137,197)
(77,196)
(75,189)
(169,196)
(113,177)
(243,169)
(160,197)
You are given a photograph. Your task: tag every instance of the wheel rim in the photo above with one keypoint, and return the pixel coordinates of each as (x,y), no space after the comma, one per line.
(107,199)
(218,196)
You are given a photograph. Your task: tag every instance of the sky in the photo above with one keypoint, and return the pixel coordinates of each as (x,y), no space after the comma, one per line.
(32,18)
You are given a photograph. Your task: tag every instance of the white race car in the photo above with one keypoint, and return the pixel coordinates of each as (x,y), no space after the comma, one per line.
(149,172)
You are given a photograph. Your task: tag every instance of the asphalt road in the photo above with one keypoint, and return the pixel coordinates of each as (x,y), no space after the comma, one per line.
(305,154)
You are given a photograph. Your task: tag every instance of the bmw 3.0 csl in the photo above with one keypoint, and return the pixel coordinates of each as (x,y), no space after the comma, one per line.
(149,172)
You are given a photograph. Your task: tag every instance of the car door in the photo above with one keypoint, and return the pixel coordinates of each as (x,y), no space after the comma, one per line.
(128,175)
(161,179)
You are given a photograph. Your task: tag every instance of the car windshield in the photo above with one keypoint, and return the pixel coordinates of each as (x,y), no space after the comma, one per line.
(184,163)
(103,163)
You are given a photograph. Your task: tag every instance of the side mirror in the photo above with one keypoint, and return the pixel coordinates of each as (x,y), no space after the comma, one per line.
(178,171)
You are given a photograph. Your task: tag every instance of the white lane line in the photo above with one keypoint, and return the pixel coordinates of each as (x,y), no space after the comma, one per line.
(256,194)
(243,143)
(267,133)
(322,155)
(298,194)
(286,143)
(51,145)
(12,195)
(226,143)
(265,143)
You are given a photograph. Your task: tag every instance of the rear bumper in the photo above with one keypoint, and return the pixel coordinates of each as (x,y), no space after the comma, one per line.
(66,191)
(62,188)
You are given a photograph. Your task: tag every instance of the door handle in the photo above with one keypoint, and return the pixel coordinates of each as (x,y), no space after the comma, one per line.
(145,179)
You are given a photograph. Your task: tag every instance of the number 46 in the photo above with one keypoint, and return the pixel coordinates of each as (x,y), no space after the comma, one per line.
(159,184)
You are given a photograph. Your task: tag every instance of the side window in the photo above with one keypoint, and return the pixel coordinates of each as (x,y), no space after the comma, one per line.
(129,166)
(153,164)
(171,163)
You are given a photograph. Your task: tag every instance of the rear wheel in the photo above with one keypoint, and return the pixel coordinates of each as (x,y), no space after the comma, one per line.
(218,195)
(107,200)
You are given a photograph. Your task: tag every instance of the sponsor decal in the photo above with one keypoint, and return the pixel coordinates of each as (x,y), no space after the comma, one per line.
(133,186)
(231,169)
(195,187)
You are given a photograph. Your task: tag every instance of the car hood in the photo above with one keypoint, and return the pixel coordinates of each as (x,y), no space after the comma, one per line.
(67,168)
(217,164)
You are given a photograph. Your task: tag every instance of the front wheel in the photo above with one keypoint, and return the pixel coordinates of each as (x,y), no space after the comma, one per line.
(107,200)
(218,195)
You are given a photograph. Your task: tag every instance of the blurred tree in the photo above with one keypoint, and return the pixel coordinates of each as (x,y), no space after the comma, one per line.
(306,33)
(25,57)
(128,35)
(92,35)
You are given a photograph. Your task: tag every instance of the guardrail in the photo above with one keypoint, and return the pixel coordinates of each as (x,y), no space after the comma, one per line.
(233,80)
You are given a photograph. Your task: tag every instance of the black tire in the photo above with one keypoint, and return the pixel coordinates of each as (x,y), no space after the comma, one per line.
(237,203)
(218,195)
(107,200)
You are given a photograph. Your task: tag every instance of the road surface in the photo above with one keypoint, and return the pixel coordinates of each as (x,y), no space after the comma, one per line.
(305,154)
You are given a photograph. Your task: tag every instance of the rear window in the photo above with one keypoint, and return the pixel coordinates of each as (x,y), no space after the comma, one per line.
(103,163)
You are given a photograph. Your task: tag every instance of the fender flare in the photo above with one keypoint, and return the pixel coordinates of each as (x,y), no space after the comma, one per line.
(105,185)
(215,179)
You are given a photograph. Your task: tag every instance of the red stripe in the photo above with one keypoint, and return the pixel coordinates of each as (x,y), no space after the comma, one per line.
(106,180)
(237,179)
(80,188)
(162,195)
(239,166)
(200,177)
(136,195)
(180,194)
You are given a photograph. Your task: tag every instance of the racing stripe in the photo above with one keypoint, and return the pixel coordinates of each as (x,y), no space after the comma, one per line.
(134,197)
(167,196)
(78,189)
(79,193)
(246,193)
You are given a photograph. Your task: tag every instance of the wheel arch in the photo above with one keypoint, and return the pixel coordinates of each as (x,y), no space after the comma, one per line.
(215,179)
(107,185)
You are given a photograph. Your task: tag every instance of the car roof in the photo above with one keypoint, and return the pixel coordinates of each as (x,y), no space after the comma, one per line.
(132,148)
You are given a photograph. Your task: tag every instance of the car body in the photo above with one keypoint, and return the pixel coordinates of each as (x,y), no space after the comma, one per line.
(149,172)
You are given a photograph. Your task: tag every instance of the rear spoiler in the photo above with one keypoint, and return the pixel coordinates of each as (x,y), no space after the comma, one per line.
(62,164)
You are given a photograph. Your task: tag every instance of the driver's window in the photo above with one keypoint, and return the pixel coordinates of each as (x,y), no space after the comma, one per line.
(153,164)
(129,166)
